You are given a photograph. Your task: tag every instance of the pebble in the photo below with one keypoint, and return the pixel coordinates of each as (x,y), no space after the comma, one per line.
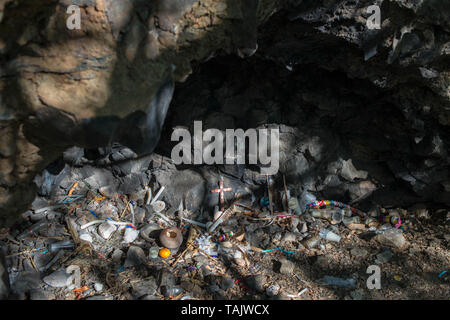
(311,243)
(226,283)
(57,279)
(294,222)
(117,255)
(86,237)
(98,287)
(357,294)
(384,257)
(39,294)
(288,237)
(272,290)
(359,252)
(135,257)
(392,238)
(256,283)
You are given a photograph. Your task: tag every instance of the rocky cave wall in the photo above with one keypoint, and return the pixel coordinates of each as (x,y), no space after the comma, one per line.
(337,90)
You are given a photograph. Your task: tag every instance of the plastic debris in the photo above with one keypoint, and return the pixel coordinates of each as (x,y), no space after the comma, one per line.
(158,206)
(164,253)
(324,203)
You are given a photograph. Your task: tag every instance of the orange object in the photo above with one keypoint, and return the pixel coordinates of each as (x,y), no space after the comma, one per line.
(164,253)
(82,289)
(73,188)
(100,198)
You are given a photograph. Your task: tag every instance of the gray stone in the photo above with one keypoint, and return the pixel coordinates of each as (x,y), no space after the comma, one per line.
(99,297)
(86,237)
(58,279)
(272,290)
(166,278)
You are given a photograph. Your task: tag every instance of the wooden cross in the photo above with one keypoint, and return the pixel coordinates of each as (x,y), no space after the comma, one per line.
(221,190)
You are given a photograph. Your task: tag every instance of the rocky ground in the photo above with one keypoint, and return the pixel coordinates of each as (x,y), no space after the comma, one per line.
(115,262)
(363,116)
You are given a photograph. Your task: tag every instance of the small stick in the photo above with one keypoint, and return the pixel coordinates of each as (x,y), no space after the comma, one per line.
(124,209)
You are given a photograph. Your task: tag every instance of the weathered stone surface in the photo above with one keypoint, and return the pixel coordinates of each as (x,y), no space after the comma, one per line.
(135,257)
(144,287)
(61,87)
(287,267)
(58,279)
(106,230)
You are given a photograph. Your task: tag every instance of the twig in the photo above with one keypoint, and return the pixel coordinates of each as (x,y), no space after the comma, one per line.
(124,209)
